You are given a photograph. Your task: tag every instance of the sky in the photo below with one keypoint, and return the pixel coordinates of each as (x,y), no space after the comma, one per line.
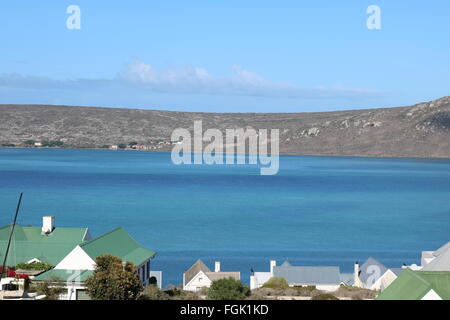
(225,56)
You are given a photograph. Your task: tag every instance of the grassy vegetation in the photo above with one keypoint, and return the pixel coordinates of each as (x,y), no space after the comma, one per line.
(154,293)
(276,283)
(324,296)
(34,266)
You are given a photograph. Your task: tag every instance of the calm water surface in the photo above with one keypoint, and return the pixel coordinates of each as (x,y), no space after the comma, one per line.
(316,211)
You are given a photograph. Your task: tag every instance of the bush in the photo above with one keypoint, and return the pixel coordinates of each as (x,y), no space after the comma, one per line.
(350,292)
(153,293)
(276,283)
(307,291)
(324,296)
(50,288)
(228,289)
(34,266)
(113,281)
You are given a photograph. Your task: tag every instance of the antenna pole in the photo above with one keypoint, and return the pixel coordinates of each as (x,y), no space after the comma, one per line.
(10,237)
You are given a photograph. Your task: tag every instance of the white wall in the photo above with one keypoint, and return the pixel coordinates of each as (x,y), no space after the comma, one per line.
(431,295)
(199,281)
(328,287)
(258,279)
(384,281)
(71,293)
(77,259)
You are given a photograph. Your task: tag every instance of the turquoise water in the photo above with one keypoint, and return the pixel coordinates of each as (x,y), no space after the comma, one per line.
(316,211)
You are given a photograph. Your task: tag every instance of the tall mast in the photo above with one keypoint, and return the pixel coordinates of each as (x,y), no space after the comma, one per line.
(10,237)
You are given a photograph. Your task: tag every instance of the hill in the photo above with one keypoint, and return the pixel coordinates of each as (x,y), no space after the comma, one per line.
(421,130)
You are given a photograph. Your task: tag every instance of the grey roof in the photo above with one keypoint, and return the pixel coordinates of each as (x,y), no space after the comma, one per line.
(196,268)
(308,275)
(442,249)
(397,271)
(369,269)
(222,275)
(286,264)
(348,279)
(440,263)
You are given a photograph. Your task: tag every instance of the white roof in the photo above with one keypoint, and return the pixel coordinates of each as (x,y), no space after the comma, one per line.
(440,263)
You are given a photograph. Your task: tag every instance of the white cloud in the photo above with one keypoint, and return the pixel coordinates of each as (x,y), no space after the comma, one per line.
(188,80)
(195,80)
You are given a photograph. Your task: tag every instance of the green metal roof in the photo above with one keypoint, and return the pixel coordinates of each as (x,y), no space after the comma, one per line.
(29,243)
(120,244)
(414,285)
(64,275)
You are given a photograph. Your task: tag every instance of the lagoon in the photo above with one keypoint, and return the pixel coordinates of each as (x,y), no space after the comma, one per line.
(315,211)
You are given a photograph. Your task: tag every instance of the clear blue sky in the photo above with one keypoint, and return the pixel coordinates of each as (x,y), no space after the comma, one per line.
(225,56)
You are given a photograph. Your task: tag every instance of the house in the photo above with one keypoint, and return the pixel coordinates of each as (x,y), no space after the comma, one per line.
(374,275)
(323,278)
(438,260)
(72,252)
(199,276)
(76,266)
(418,285)
(49,244)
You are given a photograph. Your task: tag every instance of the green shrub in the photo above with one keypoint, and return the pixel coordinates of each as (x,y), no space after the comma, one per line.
(228,289)
(276,283)
(34,266)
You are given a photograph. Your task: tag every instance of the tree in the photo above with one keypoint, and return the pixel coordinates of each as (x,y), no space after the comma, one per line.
(228,289)
(113,281)
(122,146)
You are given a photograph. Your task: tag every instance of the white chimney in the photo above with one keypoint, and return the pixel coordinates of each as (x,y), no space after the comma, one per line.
(48,224)
(273,264)
(356,280)
(217,266)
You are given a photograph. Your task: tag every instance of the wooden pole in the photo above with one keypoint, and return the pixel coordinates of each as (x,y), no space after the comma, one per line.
(10,237)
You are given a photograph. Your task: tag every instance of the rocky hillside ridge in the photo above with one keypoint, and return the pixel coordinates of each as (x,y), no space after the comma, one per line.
(421,130)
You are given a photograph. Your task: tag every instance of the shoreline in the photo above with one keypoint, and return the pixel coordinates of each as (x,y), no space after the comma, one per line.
(281,154)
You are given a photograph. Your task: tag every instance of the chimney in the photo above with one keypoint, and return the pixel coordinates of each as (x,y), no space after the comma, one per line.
(48,224)
(273,264)
(357,281)
(217,266)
